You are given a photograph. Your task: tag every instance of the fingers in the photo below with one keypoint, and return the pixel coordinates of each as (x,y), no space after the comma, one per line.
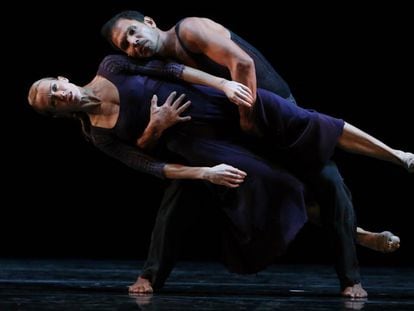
(246,89)
(230,185)
(230,182)
(235,171)
(154,101)
(233,182)
(170,98)
(242,102)
(184,119)
(233,177)
(178,101)
(183,107)
(244,98)
(226,175)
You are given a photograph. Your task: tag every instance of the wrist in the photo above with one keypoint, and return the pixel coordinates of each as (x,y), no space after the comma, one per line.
(222,84)
(204,173)
(155,128)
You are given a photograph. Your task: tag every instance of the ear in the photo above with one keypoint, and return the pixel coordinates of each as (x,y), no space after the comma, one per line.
(63,79)
(149,22)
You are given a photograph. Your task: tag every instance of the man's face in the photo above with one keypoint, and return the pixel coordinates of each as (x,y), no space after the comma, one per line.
(135,38)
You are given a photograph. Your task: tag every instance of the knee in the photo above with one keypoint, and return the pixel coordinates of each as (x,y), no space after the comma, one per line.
(330,176)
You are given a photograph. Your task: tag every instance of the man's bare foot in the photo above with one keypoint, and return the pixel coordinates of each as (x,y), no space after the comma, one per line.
(143,301)
(354,291)
(141,286)
(384,242)
(355,303)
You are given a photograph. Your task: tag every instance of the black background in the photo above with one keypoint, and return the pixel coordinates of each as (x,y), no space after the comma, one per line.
(63,198)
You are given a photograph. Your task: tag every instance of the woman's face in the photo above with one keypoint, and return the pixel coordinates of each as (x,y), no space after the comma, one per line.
(57,95)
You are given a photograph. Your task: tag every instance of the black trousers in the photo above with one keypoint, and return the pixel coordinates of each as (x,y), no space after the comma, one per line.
(182,201)
(180,207)
(337,218)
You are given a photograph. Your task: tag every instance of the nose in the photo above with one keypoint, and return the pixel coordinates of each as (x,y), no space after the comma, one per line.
(133,40)
(61,94)
(136,43)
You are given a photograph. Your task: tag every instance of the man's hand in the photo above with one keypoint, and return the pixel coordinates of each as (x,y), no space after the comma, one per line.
(161,118)
(225,175)
(168,114)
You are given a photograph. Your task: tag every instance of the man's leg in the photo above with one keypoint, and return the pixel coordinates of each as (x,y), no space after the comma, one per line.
(338,218)
(178,210)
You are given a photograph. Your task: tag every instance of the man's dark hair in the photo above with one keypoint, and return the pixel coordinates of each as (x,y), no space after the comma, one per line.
(106,30)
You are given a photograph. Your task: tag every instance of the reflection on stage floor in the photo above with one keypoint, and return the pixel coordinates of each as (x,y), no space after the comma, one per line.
(102,285)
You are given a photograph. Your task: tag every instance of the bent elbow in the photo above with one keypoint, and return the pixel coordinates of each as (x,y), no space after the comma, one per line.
(245,65)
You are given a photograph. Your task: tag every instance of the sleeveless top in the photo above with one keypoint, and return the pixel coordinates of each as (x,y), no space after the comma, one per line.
(266,75)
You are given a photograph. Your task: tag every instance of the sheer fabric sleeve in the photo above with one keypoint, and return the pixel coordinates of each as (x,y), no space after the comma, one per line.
(130,155)
(150,67)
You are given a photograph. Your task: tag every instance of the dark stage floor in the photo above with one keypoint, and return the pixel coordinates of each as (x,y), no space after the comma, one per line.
(102,285)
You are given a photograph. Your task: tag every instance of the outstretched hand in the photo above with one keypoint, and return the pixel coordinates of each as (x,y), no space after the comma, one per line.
(168,114)
(225,175)
(238,93)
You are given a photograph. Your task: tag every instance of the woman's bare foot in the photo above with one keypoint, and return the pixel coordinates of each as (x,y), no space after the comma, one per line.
(407,160)
(384,242)
(354,291)
(141,286)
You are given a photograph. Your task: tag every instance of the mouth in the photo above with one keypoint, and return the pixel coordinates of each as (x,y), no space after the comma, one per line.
(142,50)
(144,47)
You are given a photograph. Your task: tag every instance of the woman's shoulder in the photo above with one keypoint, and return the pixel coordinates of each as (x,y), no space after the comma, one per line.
(113,63)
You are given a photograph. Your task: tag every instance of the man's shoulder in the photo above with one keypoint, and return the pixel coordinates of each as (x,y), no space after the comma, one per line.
(194,23)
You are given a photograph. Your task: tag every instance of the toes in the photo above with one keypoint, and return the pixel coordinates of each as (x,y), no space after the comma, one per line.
(395,239)
(392,246)
(390,242)
(141,290)
(409,161)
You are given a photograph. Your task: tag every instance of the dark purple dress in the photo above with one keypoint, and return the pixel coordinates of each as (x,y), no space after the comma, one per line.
(267,210)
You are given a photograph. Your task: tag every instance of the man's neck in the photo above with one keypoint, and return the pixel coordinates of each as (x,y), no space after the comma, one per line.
(167,43)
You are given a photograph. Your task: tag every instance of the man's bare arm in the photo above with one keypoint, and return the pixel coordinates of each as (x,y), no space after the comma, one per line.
(202,35)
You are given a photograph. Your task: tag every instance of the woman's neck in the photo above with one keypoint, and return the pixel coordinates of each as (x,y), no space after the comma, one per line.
(102,99)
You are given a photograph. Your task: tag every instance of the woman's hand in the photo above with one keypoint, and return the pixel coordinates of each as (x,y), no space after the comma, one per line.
(225,175)
(237,93)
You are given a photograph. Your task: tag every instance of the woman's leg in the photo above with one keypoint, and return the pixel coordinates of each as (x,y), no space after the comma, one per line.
(357,141)
(385,241)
